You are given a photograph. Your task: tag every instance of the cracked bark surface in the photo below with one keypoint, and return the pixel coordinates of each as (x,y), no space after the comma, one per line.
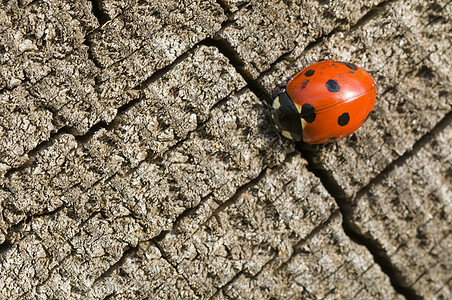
(138,160)
(415,221)
(410,71)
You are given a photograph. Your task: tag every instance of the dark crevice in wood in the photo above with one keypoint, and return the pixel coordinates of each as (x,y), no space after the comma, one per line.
(91,56)
(17,227)
(82,139)
(101,16)
(371,14)
(334,214)
(158,239)
(162,71)
(239,192)
(222,45)
(85,137)
(109,296)
(222,288)
(125,107)
(186,213)
(315,231)
(226,8)
(41,146)
(424,140)
(189,211)
(128,252)
(5,246)
(28,219)
(351,230)
(164,256)
(227,50)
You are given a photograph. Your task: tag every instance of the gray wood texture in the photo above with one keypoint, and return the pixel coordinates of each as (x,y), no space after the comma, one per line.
(138,159)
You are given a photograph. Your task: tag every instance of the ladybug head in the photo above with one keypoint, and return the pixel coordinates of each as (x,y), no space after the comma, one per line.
(287,118)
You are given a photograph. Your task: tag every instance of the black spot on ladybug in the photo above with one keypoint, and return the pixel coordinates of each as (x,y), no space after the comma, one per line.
(332,86)
(307,113)
(350,65)
(304,84)
(333,138)
(309,73)
(343,119)
(350,72)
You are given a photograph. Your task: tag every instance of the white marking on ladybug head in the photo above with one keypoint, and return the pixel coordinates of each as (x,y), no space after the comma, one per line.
(276,104)
(287,134)
(298,107)
(303,123)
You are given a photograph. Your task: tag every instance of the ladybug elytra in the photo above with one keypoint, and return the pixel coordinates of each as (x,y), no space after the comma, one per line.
(325,102)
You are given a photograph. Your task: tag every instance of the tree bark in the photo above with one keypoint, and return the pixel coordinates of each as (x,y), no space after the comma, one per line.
(138,159)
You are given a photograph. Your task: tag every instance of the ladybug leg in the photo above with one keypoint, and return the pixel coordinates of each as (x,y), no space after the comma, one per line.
(273,124)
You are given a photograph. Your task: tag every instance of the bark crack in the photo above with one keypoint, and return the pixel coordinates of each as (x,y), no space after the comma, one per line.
(82,139)
(234,58)
(98,12)
(424,140)
(316,230)
(350,228)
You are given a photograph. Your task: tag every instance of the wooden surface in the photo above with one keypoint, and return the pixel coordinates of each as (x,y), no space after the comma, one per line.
(138,160)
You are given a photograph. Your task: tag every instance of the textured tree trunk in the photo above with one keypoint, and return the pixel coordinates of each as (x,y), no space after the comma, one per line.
(138,159)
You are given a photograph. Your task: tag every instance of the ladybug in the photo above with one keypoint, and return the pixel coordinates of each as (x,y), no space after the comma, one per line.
(325,102)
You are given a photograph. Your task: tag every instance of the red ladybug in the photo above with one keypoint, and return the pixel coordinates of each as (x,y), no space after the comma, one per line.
(325,102)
